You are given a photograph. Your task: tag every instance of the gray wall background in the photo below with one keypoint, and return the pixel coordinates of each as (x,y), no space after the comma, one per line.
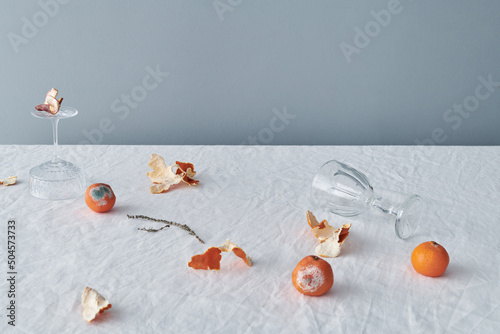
(234,66)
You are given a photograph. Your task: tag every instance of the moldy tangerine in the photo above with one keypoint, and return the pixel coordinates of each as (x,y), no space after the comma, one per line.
(313,276)
(99,197)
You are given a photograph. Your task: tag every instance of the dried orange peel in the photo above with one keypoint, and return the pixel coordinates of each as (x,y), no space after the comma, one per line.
(93,304)
(330,238)
(164,176)
(188,169)
(51,103)
(8,181)
(210,260)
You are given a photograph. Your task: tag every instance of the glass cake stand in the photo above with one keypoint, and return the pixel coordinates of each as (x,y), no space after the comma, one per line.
(57,179)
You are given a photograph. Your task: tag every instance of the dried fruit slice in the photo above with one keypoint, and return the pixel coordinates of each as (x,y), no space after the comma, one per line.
(93,304)
(8,181)
(210,260)
(330,238)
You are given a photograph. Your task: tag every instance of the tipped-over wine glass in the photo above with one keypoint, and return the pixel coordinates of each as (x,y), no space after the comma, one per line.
(57,179)
(345,191)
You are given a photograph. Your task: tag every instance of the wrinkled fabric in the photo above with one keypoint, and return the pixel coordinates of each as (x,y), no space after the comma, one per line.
(257,197)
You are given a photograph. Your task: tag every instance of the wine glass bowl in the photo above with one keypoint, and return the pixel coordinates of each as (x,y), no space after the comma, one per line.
(57,179)
(345,191)
(341,189)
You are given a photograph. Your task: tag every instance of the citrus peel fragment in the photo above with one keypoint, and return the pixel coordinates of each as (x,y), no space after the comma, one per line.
(93,304)
(8,181)
(51,103)
(330,238)
(230,247)
(210,260)
(188,168)
(164,176)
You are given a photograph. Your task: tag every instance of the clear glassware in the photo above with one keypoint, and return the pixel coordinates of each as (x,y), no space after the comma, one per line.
(345,191)
(57,179)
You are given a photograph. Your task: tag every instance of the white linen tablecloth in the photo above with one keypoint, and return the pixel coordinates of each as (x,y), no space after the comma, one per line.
(256,197)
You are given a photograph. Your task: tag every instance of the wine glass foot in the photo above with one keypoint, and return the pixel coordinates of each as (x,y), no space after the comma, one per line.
(56,180)
(408,216)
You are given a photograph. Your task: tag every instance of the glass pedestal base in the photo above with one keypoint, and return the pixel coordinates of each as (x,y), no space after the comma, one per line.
(57,179)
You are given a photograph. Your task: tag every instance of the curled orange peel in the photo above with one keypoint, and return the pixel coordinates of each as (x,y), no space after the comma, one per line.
(93,304)
(8,181)
(188,169)
(330,238)
(164,176)
(230,247)
(51,103)
(210,260)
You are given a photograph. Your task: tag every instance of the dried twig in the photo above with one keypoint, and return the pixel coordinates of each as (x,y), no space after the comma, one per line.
(167,224)
(150,229)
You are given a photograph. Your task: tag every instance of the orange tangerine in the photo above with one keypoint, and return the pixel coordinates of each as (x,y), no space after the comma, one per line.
(430,259)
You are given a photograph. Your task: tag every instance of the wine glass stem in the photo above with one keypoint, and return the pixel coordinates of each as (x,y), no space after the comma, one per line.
(384,206)
(55,122)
